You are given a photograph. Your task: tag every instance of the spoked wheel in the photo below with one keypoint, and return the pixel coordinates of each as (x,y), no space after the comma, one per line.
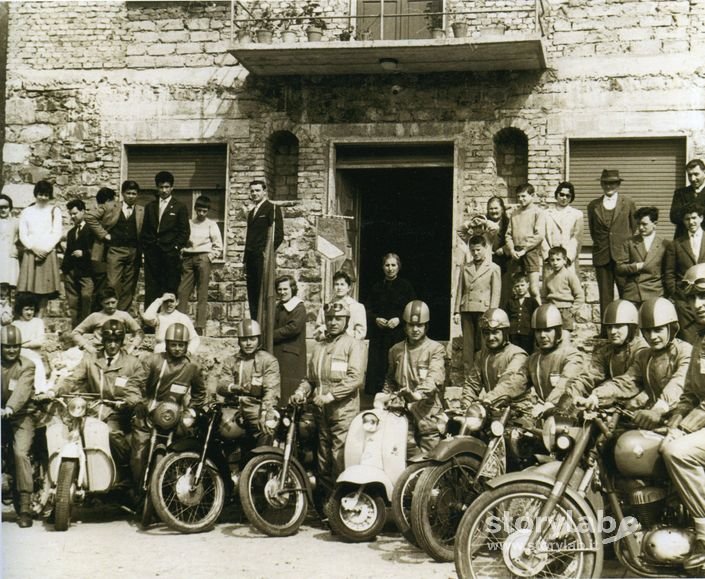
(274,508)
(65,490)
(401,498)
(356,514)
(183,505)
(495,529)
(442,496)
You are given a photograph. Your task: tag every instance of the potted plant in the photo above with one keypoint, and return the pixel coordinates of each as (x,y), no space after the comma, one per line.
(289,16)
(434,20)
(347,33)
(244,26)
(458,23)
(311,14)
(265,24)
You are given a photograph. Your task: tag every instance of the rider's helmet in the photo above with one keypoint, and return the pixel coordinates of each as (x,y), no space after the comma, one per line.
(694,280)
(177,332)
(248,329)
(10,336)
(416,312)
(336,309)
(547,317)
(112,330)
(658,312)
(622,312)
(496,319)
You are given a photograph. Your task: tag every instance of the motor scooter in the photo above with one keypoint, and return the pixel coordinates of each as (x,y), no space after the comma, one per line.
(80,460)
(375,457)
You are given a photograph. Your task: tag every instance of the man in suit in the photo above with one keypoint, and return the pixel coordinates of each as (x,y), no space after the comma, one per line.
(685,252)
(261,217)
(611,222)
(164,233)
(695,192)
(642,262)
(76,266)
(117,228)
(100,220)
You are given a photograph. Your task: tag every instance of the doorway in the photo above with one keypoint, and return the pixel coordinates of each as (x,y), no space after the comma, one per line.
(407,211)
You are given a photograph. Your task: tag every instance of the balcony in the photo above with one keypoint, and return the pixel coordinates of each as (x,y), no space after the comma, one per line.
(384,43)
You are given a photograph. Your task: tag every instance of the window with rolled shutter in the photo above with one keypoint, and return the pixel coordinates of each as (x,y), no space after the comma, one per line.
(651,168)
(197,169)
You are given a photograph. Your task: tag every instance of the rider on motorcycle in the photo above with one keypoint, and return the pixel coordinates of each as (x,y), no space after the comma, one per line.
(621,321)
(416,372)
(500,368)
(17,389)
(555,363)
(252,374)
(657,374)
(335,375)
(169,376)
(685,455)
(115,375)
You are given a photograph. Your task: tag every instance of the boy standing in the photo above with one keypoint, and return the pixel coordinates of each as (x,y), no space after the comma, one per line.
(525,234)
(520,307)
(204,245)
(76,267)
(479,287)
(561,287)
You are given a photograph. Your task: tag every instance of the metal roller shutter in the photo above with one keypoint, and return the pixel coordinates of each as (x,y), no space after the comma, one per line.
(650,167)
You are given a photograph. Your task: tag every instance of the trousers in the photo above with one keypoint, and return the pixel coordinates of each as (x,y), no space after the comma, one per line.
(195,271)
(123,264)
(79,295)
(685,461)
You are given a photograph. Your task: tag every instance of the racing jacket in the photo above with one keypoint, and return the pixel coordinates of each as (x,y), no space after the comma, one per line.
(502,372)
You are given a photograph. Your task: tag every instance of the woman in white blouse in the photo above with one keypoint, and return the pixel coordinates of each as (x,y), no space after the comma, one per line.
(564,224)
(40,232)
(357,324)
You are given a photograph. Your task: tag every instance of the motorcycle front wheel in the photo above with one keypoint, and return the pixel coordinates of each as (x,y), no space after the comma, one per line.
(496,527)
(65,489)
(404,490)
(181,504)
(276,509)
(358,520)
(443,493)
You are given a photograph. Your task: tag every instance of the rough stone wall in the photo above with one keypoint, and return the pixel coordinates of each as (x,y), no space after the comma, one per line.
(84,78)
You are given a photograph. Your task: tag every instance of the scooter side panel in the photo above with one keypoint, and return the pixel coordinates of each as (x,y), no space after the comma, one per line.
(394,442)
(354,441)
(99,462)
(360,474)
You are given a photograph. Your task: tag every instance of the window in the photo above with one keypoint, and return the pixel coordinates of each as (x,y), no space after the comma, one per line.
(397,25)
(197,169)
(283,159)
(651,168)
(511,152)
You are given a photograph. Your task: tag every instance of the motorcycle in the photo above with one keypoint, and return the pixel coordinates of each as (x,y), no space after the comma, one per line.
(459,465)
(375,457)
(189,486)
(80,460)
(277,482)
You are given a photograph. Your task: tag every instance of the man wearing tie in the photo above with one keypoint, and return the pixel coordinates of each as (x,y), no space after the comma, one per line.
(263,215)
(76,266)
(695,192)
(164,233)
(685,252)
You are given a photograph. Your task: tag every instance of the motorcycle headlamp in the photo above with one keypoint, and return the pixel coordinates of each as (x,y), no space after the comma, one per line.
(165,415)
(286,421)
(556,433)
(497,428)
(271,419)
(188,418)
(474,417)
(77,407)
(370,422)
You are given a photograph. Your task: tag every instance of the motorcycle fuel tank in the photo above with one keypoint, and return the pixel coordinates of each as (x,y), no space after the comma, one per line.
(637,454)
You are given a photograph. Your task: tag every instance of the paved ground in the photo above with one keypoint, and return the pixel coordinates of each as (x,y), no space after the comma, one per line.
(105,544)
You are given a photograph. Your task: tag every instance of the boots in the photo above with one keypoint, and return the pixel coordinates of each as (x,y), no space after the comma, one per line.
(24,518)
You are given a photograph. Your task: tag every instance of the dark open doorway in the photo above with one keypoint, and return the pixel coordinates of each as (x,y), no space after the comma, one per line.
(408,211)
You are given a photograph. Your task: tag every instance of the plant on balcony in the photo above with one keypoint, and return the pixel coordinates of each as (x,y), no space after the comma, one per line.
(265,22)
(312,13)
(347,33)
(434,20)
(243,23)
(458,22)
(289,16)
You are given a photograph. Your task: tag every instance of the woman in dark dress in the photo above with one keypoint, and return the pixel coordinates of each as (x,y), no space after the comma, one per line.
(384,309)
(289,336)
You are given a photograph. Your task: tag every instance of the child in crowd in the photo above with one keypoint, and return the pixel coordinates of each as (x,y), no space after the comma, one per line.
(9,236)
(479,287)
(160,314)
(562,287)
(63,361)
(520,307)
(33,335)
(525,234)
(87,333)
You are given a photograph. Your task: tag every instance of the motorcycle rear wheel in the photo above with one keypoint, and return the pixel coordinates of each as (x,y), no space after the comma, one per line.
(364,522)
(402,496)
(181,506)
(442,496)
(65,488)
(493,532)
(272,510)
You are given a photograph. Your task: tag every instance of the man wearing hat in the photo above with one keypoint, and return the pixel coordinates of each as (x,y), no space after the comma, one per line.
(612,223)
(693,193)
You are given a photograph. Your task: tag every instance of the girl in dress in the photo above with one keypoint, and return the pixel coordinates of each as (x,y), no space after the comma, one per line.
(40,232)
(32,330)
(9,265)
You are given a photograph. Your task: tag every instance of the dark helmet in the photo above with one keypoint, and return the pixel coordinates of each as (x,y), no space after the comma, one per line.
(10,336)
(177,333)
(416,312)
(620,312)
(336,310)
(112,330)
(248,329)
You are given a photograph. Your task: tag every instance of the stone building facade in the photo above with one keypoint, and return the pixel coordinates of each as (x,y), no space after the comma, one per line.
(89,83)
